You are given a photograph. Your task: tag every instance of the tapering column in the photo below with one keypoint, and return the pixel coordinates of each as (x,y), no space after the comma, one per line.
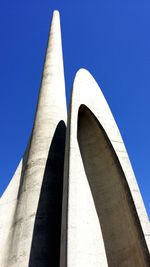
(44,156)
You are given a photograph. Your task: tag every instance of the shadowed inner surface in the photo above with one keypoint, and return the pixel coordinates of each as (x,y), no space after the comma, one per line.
(45,249)
(123,238)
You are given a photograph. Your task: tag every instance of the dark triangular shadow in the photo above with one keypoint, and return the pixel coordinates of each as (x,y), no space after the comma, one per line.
(45,248)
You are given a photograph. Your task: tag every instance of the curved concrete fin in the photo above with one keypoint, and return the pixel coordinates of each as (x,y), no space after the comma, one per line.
(104,220)
(42,171)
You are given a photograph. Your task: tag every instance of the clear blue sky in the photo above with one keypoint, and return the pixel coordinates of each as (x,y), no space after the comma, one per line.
(109,38)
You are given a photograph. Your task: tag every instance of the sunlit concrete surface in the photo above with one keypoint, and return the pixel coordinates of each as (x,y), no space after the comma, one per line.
(105,222)
(19,204)
(73,200)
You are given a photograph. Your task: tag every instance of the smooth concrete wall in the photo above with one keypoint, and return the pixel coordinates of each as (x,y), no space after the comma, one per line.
(8,204)
(122,234)
(45,248)
(104,220)
(50,115)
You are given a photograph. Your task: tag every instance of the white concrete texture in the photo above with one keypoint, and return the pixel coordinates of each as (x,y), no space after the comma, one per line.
(19,203)
(105,220)
(82,211)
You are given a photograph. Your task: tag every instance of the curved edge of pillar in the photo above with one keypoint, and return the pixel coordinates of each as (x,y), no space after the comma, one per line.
(87,93)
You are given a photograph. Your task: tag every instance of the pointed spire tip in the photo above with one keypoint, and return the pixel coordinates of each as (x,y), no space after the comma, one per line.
(56,13)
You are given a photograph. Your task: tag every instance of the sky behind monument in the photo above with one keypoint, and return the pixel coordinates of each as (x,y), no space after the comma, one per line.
(109,38)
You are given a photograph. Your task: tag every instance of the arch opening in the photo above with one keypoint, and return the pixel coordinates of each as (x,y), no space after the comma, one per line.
(122,234)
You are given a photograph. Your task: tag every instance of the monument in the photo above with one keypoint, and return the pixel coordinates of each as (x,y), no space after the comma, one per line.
(73,200)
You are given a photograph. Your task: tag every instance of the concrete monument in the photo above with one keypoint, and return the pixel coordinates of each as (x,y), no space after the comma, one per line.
(73,200)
